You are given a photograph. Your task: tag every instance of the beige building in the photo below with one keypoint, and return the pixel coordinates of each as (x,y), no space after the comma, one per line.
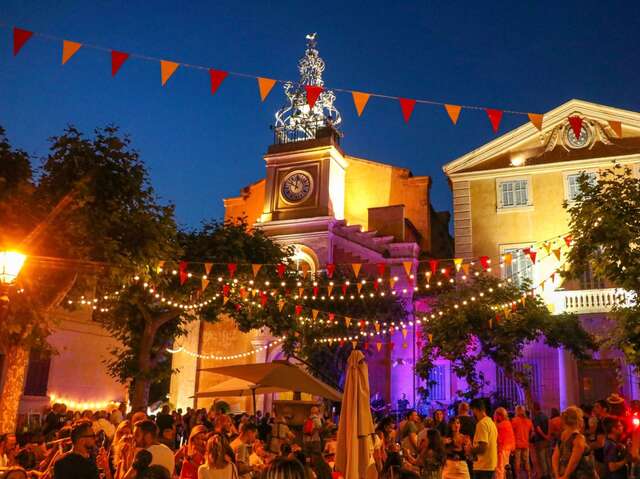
(509,194)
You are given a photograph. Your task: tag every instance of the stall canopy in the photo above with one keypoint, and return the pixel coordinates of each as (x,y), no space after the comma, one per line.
(237,387)
(279,374)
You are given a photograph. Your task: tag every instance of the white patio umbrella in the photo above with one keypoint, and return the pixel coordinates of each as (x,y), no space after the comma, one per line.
(355,430)
(238,387)
(280,374)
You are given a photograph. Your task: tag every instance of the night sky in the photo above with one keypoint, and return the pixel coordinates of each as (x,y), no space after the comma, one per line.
(525,56)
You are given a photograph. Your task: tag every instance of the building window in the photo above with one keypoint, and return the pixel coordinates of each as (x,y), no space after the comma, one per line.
(521,267)
(514,193)
(509,391)
(37,374)
(438,383)
(573,186)
(589,280)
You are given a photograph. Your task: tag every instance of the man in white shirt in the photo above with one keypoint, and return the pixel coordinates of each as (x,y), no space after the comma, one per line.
(485,442)
(145,434)
(242,446)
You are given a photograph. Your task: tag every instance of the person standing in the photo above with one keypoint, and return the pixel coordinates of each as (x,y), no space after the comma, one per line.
(541,441)
(311,433)
(467,422)
(615,454)
(218,462)
(485,442)
(77,463)
(571,457)
(506,440)
(522,429)
(145,434)
(242,446)
(455,446)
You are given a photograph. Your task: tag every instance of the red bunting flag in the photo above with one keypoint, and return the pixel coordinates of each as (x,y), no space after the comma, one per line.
(313,93)
(330,269)
(315,291)
(20,37)
(484,261)
(232,267)
(567,240)
(433,264)
(344,290)
(381,269)
(117,59)
(69,49)
(265,85)
(453,111)
(360,101)
(216,77)
(298,309)
(281,268)
(536,120)
(576,125)
(532,254)
(182,268)
(331,317)
(407,105)
(225,290)
(495,116)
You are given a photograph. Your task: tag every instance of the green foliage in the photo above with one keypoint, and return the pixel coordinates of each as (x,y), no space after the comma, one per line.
(482,329)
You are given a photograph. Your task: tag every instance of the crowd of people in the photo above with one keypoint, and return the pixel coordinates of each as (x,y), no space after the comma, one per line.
(601,441)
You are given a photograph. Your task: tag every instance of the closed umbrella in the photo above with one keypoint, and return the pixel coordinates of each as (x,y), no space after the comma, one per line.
(355,430)
(280,374)
(238,387)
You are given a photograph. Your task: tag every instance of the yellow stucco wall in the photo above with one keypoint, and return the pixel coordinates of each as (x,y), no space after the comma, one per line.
(250,204)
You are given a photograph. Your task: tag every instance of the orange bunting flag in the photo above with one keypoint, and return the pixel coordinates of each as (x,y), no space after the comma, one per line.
(160,266)
(558,253)
(117,59)
(616,126)
(490,323)
(205,283)
(356,268)
(354,344)
(300,291)
(392,281)
(407,105)
(376,325)
(465,268)
(329,290)
(405,345)
(313,93)
(225,300)
(495,116)
(20,37)
(407,267)
(217,77)
(453,111)
(207,268)
(508,259)
(430,337)
(167,69)
(255,268)
(536,120)
(404,333)
(360,101)
(576,125)
(379,346)
(458,263)
(347,321)
(281,303)
(265,85)
(314,314)
(359,286)
(69,49)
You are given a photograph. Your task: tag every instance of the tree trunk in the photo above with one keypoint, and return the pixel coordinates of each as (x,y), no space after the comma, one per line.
(17,359)
(142,383)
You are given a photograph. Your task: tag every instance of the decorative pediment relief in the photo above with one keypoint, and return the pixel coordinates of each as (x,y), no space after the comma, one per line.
(591,133)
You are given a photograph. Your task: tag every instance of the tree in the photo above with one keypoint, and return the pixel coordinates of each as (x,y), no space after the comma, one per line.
(487,318)
(605,231)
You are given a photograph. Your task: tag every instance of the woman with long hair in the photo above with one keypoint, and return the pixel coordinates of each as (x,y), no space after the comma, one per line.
(506,440)
(572,456)
(218,460)
(284,468)
(456,464)
(432,456)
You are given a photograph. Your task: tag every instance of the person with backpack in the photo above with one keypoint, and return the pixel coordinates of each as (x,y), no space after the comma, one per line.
(311,432)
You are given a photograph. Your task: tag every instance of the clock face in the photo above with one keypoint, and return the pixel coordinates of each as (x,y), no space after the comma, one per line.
(580,141)
(297,186)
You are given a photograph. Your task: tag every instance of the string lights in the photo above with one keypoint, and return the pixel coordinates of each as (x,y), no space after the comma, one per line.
(217,357)
(81,405)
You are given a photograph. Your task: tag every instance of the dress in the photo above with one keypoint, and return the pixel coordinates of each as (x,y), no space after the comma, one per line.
(585,468)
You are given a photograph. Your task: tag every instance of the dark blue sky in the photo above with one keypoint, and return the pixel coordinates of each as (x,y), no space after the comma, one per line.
(527,56)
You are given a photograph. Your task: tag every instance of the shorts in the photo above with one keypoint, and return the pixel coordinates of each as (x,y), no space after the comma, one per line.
(522,455)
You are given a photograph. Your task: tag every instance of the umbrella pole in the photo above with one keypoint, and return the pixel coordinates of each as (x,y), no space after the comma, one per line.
(253,393)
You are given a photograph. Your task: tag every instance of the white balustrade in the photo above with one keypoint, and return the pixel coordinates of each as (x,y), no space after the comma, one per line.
(590,300)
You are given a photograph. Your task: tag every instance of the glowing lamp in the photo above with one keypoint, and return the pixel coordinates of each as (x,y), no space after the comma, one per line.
(635,421)
(10,265)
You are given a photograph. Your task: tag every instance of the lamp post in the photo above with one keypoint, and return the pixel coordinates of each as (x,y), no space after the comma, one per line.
(11,263)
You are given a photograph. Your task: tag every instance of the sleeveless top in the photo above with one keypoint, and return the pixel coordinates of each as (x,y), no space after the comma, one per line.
(585,468)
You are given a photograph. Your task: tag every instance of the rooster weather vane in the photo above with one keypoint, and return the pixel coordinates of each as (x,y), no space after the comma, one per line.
(296,120)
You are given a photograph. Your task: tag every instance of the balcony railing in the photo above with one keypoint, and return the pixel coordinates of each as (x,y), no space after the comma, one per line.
(590,300)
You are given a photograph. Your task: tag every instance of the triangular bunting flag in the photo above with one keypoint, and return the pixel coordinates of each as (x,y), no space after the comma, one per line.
(404,333)
(495,116)
(558,253)
(160,266)
(360,101)
(117,59)
(547,246)
(329,289)
(281,268)
(69,49)
(225,300)
(205,283)
(433,264)
(313,93)
(347,321)
(430,337)
(354,344)
(576,125)
(381,269)
(407,105)
(379,346)
(465,268)
(407,267)
(508,259)
(20,37)
(167,69)
(532,254)
(232,267)
(281,303)
(392,282)
(298,309)
(255,268)
(300,292)
(453,111)
(314,313)
(484,262)
(376,325)
(207,268)
(359,286)
(182,267)
(217,77)
(567,240)
(265,85)
(330,269)
(536,120)
(356,268)
(458,263)
(616,126)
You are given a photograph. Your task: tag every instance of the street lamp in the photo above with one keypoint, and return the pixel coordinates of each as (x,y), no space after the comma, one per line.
(10,265)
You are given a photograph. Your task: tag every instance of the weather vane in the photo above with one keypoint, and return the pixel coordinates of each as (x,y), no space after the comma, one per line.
(296,121)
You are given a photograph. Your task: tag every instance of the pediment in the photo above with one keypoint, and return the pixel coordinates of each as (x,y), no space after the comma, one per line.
(556,142)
